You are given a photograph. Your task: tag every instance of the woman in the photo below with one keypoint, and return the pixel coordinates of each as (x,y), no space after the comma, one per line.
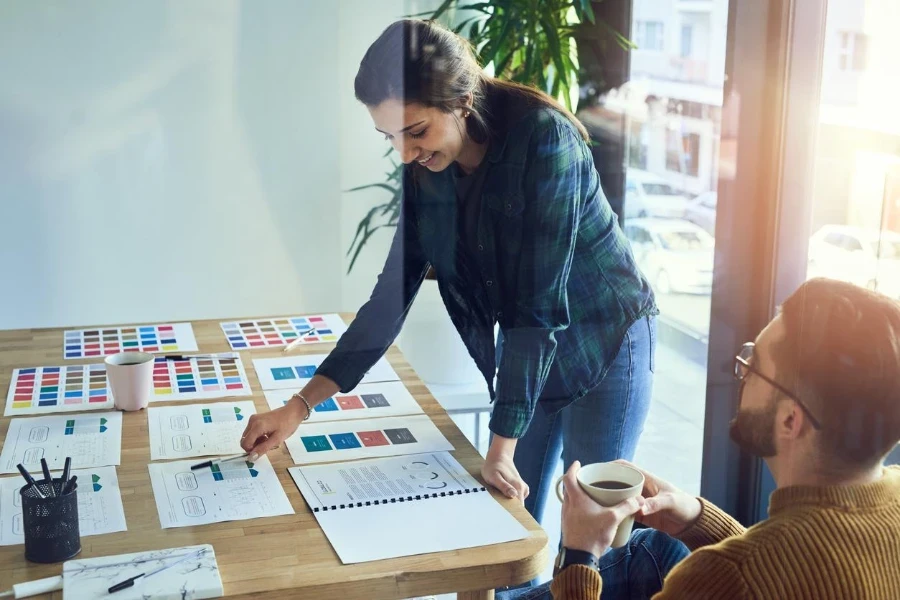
(502,200)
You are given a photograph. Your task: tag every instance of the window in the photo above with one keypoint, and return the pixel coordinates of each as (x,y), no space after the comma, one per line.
(683,153)
(687,40)
(649,36)
(852,51)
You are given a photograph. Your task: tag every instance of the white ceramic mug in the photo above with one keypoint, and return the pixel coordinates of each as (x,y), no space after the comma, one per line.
(130,377)
(631,478)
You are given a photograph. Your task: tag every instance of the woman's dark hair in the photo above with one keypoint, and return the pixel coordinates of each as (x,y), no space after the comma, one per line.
(421,61)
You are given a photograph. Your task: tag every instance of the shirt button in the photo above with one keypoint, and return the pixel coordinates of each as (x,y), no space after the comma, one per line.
(489,283)
(499,313)
(508,206)
(480,247)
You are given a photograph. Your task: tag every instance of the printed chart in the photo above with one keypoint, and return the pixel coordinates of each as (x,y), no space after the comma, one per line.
(198,429)
(92,440)
(311,329)
(350,440)
(40,390)
(103,341)
(226,492)
(199,378)
(99,504)
(293,372)
(367,401)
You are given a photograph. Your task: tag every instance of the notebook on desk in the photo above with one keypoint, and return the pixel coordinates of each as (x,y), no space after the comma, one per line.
(403,506)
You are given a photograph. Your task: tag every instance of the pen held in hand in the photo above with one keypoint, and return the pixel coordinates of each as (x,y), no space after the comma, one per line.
(211,462)
(299,340)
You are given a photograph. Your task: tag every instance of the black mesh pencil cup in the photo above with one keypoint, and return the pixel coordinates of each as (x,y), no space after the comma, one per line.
(50,524)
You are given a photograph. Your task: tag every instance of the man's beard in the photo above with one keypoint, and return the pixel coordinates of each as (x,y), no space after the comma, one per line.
(754,431)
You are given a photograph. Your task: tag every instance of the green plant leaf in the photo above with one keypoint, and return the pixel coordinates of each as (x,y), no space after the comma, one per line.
(373,185)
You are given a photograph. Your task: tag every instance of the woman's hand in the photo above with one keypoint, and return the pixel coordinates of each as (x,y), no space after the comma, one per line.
(666,507)
(500,471)
(267,431)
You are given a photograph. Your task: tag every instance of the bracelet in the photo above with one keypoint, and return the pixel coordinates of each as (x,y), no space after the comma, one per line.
(306,403)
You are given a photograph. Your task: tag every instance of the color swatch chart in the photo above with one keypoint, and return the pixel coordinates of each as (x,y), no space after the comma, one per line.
(87,343)
(292,372)
(92,440)
(199,378)
(367,401)
(351,440)
(312,329)
(57,389)
(99,504)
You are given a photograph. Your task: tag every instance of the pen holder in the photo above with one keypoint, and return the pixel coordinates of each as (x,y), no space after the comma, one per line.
(50,524)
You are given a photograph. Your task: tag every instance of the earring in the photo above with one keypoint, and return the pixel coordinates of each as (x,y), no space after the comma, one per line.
(466,115)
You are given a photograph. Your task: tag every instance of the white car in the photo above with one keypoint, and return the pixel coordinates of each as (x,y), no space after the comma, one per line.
(649,195)
(676,255)
(864,257)
(702,211)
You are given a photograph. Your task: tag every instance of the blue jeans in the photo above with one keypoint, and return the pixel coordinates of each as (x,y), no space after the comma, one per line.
(602,426)
(635,571)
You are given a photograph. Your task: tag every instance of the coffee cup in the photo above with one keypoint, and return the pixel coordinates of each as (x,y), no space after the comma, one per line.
(130,377)
(609,484)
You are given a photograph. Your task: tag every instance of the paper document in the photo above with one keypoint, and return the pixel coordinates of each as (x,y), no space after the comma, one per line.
(43,390)
(103,341)
(229,491)
(309,329)
(194,378)
(190,573)
(367,401)
(293,372)
(351,440)
(92,440)
(405,505)
(99,504)
(210,429)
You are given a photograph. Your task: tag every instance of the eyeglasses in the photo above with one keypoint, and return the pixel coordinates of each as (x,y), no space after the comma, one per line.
(743,367)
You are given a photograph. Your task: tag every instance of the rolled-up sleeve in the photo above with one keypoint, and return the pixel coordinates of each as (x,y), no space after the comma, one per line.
(551,213)
(380,319)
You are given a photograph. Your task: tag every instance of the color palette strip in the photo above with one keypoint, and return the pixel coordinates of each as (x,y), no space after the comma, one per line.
(40,390)
(291,372)
(226,472)
(310,329)
(366,401)
(199,378)
(89,343)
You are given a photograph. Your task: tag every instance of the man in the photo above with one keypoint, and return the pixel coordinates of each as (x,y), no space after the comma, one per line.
(820,402)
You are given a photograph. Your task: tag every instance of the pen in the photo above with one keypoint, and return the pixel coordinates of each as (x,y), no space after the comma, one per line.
(48,478)
(67,469)
(70,485)
(190,356)
(299,339)
(132,580)
(210,463)
(30,480)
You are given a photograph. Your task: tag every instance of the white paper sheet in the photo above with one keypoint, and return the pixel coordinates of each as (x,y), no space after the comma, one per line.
(99,504)
(230,491)
(103,341)
(92,440)
(220,376)
(367,401)
(440,507)
(365,438)
(43,390)
(195,577)
(198,429)
(293,372)
(310,329)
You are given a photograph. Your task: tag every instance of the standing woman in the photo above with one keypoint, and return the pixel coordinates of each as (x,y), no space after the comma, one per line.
(502,200)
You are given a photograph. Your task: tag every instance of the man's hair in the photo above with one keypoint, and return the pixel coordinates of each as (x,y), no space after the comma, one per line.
(841,354)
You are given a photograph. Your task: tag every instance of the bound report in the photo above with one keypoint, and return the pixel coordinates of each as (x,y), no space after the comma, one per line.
(403,506)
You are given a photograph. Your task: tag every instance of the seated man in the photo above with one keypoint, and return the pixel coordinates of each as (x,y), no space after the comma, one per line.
(820,402)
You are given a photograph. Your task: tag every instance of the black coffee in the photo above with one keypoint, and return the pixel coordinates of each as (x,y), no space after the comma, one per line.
(611,485)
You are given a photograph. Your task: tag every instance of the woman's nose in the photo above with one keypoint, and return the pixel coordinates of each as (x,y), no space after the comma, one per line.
(408,152)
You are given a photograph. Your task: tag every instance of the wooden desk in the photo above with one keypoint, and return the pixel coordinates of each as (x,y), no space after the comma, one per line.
(277,557)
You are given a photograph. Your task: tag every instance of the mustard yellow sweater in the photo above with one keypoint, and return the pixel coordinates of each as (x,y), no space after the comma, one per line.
(819,543)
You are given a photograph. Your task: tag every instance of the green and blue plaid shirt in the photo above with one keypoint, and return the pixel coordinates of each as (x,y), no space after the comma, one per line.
(551,266)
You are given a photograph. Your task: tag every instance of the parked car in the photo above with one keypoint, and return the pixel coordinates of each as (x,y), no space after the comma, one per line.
(676,255)
(701,211)
(649,195)
(865,257)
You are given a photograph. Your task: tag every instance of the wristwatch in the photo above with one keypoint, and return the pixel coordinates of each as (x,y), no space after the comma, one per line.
(568,556)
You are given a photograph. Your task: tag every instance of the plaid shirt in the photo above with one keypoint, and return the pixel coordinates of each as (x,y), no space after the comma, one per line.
(552,268)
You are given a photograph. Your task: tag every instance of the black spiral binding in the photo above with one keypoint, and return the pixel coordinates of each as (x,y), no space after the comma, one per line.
(400,499)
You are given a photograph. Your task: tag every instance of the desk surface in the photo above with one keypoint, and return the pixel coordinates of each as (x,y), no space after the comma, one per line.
(278,556)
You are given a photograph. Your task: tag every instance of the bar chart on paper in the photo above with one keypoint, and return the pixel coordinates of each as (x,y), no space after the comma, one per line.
(40,390)
(311,329)
(103,341)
